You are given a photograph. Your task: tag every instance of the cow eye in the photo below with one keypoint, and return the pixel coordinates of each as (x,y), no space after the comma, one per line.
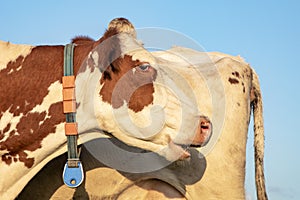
(144,67)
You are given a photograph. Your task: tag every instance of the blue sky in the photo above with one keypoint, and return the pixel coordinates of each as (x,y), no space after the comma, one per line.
(265,33)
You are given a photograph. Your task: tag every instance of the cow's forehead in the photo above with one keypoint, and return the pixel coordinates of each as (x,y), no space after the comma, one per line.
(134,48)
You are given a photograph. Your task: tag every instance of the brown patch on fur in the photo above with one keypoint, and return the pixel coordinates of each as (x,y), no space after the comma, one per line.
(135,88)
(120,82)
(107,52)
(22,90)
(236,74)
(233,80)
(107,47)
(32,129)
(82,40)
(244,89)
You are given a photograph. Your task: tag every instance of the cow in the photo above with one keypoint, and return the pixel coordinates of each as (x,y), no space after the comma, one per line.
(182,112)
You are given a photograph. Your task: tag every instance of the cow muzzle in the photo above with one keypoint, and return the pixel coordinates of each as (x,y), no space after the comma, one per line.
(203,132)
(201,138)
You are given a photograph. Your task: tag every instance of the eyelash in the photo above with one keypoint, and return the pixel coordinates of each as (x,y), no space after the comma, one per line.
(144,67)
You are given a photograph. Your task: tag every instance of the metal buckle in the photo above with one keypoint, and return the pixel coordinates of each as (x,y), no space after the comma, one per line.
(73,173)
(73,162)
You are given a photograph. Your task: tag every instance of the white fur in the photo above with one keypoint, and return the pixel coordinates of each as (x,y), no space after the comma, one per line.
(13,120)
(54,95)
(10,52)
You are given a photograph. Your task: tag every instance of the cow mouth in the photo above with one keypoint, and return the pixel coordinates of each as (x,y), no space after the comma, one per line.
(186,147)
(183,146)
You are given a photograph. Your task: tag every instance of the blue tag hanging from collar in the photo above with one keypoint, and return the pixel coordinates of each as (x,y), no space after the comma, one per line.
(73,175)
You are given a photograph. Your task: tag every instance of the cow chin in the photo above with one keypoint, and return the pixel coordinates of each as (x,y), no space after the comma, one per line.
(179,151)
(174,152)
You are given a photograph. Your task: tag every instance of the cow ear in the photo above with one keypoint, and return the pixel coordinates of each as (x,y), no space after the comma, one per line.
(122,25)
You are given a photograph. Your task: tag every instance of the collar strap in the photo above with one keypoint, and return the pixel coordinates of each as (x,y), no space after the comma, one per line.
(69,102)
(73,172)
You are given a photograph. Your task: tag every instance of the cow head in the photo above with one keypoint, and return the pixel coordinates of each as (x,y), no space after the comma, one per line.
(140,100)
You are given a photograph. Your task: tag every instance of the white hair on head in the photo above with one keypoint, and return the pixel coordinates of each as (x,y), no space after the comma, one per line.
(122,25)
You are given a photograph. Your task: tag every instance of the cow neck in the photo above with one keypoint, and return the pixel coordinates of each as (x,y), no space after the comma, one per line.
(73,172)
